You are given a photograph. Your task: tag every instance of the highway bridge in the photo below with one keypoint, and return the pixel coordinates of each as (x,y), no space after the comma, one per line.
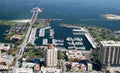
(25,42)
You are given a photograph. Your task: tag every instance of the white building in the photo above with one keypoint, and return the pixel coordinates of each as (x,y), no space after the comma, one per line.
(51,56)
(8,59)
(4,46)
(50,70)
(23,70)
(109,53)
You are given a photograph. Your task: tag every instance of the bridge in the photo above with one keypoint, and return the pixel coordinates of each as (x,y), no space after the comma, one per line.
(25,42)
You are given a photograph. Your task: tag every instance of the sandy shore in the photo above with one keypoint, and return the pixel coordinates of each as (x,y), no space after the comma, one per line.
(112,17)
(21,20)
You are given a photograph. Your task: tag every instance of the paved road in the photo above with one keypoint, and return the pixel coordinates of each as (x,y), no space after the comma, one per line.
(25,42)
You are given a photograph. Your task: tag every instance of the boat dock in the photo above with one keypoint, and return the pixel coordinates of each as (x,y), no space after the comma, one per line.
(87,35)
(42,31)
(58,42)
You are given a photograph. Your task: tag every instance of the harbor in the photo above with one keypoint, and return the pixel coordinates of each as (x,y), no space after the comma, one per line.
(67,37)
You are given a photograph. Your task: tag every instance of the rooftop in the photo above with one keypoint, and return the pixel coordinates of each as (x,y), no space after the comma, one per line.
(110,43)
(50,70)
(77,54)
(23,70)
(50,46)
(7,58)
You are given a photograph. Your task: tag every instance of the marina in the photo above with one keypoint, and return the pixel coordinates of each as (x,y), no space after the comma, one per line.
(58,43)
(74,39)
(51,33)
(78,31)
(68,40)
(42,31)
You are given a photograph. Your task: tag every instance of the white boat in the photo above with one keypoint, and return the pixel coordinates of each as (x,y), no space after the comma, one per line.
(69,39)
(78,31)
(78,43)
(51,32)
(45,42)
(41,32)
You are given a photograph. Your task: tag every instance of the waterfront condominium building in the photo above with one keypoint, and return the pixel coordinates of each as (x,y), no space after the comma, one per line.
(0,56)
(51,56)
(109,53)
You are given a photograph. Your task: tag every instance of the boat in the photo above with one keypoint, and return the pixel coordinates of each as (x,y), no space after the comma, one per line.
(69,38)
(51,33)
(45,42)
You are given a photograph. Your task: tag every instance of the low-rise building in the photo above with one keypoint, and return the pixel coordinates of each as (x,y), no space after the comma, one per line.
(3,68)
(17,37)
(77,55)
(36,68)
(110,69)
(23,70)
(79,67)
(50,70)
(28,64)
(4,46)
(8,59)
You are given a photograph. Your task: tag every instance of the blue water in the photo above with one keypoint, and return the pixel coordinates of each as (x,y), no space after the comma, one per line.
(87,12)
(80,12)
(61,33)
(3,31)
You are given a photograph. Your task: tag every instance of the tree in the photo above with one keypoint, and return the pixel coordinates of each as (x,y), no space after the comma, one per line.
(60,55)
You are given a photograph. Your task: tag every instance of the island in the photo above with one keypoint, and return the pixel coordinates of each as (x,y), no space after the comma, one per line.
(111,17)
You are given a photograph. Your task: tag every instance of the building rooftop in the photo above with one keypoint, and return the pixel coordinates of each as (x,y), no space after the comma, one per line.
(50,70)
(50,46)
(28,64)
(114,69)
(7,58)
(3,67)
(110,43)
(77,54)
(4,46)
(23,70)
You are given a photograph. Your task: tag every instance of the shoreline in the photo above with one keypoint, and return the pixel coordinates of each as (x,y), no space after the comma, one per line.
(21,20)
(13,22)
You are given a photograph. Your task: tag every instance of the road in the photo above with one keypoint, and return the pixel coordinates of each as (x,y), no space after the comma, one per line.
(25,42)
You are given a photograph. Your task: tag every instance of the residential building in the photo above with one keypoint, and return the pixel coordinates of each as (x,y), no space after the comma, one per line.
(0,57)
(77,55)
(109,53)
(4,46)
(51,56)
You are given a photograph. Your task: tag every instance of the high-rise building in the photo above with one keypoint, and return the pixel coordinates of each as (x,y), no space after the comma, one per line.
(109,53)
(0,56)
(51,56)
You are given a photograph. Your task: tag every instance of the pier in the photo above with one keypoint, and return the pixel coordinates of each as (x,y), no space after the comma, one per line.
(26,40)
(90,39)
